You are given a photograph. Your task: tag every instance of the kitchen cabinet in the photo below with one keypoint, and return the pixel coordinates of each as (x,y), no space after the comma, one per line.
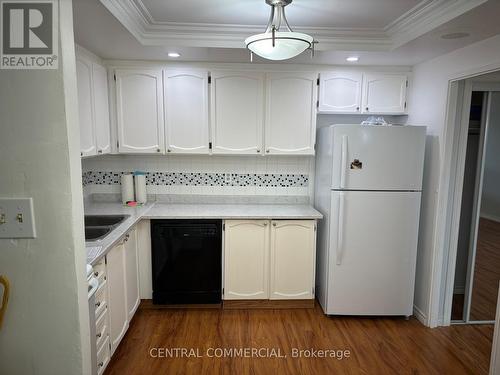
(85,107)
(93,106)
(101,109)
(131,273)
(246,259)
(292,262)
(269,259)
(186,111)
(340,92)
(290,113)
(117,295)
(384,94)
(237,112)
(139,111)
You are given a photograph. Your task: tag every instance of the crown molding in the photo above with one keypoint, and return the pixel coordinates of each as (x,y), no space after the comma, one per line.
(424,17)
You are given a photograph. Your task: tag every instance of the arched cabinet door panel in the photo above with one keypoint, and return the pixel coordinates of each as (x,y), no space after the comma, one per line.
(139,111)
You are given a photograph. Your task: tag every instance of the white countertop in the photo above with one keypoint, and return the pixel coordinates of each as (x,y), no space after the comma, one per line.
(232,211)
(160,210)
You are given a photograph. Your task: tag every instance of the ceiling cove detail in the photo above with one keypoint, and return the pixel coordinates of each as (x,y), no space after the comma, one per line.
(424,17)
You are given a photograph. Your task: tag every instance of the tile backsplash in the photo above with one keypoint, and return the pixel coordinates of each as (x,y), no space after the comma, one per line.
(204,175)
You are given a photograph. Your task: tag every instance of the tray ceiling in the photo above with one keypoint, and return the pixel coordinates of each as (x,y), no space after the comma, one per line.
(369,25)
(320,13)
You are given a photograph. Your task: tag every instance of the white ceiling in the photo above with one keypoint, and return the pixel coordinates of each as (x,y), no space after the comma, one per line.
(318,13)
(98,30)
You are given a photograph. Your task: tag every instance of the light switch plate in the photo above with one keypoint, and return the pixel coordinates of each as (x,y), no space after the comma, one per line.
(17,219)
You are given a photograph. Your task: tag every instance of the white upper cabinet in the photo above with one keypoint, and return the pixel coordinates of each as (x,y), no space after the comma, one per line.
(291,113)
(293,244)
(340,92)
(237,102)
(139,111)
(93,105)
(186,111)
(384,94)
(246,259)
(85,106)
(101,109)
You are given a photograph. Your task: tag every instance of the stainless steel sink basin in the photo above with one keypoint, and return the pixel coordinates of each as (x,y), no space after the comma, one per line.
(98,227)
(104,220)
(97,233)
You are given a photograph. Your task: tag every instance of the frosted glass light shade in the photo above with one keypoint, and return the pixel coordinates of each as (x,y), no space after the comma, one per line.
(287,45)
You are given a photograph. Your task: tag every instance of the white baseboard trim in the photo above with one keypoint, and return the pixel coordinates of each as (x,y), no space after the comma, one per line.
(421,317)
(490,217)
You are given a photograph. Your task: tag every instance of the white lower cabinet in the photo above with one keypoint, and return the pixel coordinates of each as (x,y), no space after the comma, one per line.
(118,314)
(269,259)
(246,259)
(103,356)
(292,264)
(131,273)
(123,287)
(117,298)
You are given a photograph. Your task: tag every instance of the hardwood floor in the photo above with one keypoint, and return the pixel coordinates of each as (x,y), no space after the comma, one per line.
(376,345)
(486,272)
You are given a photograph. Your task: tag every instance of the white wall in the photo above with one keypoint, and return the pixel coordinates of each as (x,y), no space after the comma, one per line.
(46,327)
(490,200)
(428,106)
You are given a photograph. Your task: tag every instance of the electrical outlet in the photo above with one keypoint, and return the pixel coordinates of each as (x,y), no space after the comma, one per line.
(17,218)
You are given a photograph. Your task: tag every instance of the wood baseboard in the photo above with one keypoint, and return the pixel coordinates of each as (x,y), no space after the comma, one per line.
(269,304)
(148,304)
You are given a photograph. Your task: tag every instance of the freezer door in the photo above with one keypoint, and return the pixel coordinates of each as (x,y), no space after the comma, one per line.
(378,157)
(373,248)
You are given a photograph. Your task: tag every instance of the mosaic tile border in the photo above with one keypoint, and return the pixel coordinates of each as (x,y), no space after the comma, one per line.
(202,179)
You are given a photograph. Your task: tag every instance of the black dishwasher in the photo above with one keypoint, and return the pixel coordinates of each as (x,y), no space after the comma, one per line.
(187,261)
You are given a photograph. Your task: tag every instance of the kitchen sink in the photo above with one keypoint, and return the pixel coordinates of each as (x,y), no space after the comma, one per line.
(104,220)
(97,233)
(99,226)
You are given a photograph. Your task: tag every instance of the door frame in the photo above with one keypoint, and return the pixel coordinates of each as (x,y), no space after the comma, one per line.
(450,194)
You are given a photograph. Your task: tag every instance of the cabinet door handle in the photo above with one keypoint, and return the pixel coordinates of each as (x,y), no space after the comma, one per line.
(367,109)
(158,150)
(357,108)
(100,364)
(99,151)
(96,274)
(99,335)
(274,224)
(98,304)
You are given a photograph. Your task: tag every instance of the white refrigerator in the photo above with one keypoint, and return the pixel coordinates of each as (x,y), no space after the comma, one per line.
(368,187)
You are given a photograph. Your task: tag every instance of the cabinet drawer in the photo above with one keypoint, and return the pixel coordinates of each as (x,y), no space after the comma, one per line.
(103,355)
(102,328)
(101,299)
(100,271)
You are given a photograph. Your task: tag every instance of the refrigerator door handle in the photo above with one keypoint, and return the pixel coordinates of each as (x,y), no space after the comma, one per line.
(340,230)
(343,161)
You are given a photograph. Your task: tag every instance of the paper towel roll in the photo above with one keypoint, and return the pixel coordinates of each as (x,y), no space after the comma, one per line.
(127,182)
(140,189)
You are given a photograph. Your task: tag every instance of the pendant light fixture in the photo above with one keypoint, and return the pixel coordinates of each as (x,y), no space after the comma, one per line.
(275,44)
